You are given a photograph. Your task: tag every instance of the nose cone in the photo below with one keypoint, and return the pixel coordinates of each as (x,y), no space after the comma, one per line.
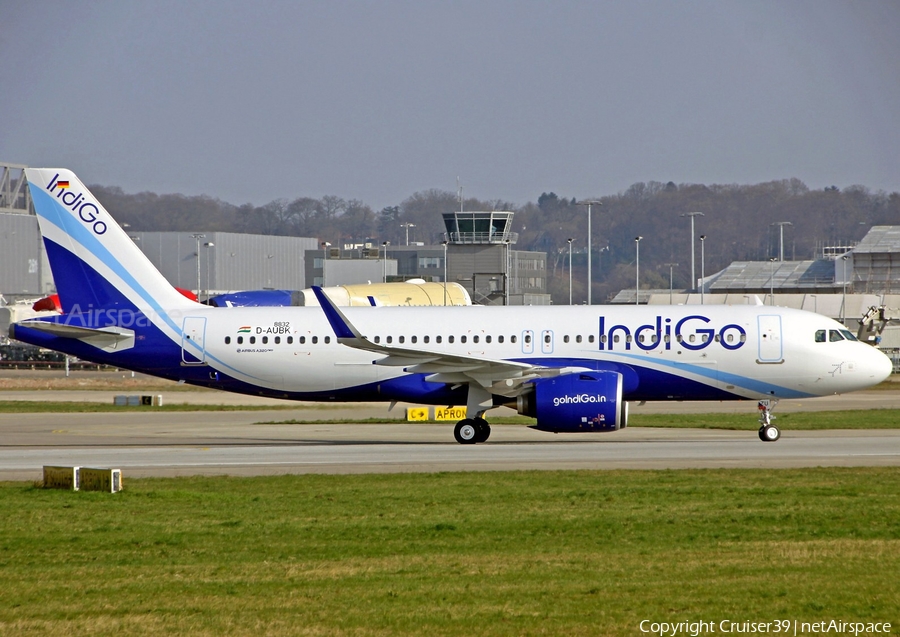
(880,365)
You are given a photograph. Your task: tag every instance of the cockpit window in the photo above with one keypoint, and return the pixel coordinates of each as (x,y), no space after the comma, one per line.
(848,335)
(820,336)
(834,335)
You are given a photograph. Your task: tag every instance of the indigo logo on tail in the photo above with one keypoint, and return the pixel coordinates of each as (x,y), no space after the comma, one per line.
(86,211)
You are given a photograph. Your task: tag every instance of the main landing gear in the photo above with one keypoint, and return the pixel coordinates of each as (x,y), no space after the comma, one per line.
(471,431)
(767,431)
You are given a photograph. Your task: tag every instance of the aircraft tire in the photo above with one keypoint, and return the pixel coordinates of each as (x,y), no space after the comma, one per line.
(769,433)
(484,429)
(466,432)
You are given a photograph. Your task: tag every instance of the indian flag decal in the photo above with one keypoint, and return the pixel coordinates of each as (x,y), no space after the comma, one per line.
(245,328)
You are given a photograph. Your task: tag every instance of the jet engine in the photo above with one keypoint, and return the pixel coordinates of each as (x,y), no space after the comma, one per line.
(584,401)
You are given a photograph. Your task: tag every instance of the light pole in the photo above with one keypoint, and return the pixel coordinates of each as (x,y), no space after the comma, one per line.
(702,267)
(197,238)
(506,282)
(407,225)
(325,246)
(589,203)
(569,241)
(637,269)
(781,225)
(693,271)
(384,262)
(844,259)
(772,279)
(444,243)
(208,245)
(670,266)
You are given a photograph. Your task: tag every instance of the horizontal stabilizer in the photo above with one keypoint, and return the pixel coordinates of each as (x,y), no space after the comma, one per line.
(109,339)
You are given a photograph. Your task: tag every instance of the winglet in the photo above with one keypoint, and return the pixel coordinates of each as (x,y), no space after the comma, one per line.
(339,323)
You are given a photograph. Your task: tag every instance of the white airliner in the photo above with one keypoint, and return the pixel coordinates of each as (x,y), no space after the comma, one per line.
(572,368)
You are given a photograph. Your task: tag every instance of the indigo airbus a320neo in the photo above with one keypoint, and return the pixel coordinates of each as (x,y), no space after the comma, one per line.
(573,368)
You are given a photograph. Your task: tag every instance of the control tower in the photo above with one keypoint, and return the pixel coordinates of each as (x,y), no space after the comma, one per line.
(479,228)
(480,258)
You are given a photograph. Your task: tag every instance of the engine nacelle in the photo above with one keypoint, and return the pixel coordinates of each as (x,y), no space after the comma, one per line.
(585,401)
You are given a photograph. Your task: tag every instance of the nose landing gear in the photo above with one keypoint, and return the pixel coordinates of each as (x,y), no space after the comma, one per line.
(767,431)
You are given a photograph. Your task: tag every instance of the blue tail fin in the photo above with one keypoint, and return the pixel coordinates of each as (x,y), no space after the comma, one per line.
(94,262)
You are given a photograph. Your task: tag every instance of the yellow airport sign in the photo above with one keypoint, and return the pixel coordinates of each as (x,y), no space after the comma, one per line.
(416,413)
(449,413)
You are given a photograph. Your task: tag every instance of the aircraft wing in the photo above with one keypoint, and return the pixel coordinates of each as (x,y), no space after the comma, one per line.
(504,377)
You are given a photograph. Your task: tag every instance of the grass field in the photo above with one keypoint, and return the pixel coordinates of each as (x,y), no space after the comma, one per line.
(518,553)
(67,407)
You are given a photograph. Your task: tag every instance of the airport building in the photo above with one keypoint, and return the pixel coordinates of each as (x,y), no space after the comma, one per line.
(216,262)
(477,254)
(329,266)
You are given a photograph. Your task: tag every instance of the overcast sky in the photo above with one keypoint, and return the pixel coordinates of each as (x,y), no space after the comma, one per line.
(253,101)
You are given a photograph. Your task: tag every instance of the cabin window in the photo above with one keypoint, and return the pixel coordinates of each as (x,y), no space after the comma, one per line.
(327,339)
(302,340)
(578,338)
(450,338)
(692,338)
(616,338)
(500,338)
(718,338)
(413,339)
(547,338)
(820,336)
(475,338)
(591,338)
(252,340)
(566,338)
(438,339)
(641,338)
(729,338)
(290,340)
(513,339)
(315,339)
(377,339)
(277,340)
(402,339)
(228,340)
(389,340)
(487,339)
(743,338)
(834,336)
(528,338)
(462,339)
(265,340)
(667,338)
(603,338)
(628,338)
(240,340)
